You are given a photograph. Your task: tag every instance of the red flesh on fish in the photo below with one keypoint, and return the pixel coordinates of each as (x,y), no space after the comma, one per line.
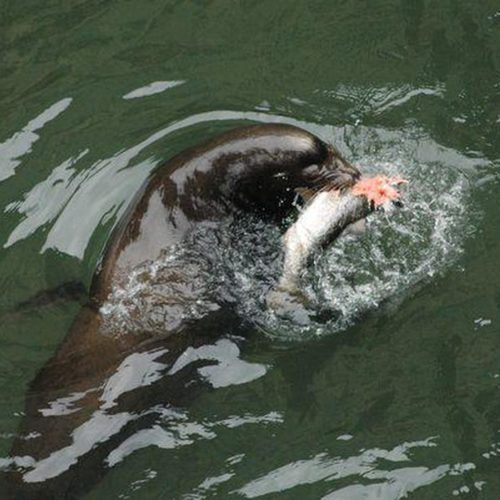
(378,189)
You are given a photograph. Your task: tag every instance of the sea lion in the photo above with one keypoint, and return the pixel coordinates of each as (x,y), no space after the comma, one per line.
(80,389)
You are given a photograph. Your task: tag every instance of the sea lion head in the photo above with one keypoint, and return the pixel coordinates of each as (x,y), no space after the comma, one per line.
(273,161)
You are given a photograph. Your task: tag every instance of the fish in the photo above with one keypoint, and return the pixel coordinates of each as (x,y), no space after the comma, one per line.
(326,215)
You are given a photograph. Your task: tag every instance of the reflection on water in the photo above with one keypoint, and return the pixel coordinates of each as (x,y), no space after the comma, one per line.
(229,370)
(21,142)
(399,481)
(180,432)
(153,88)
(219,364)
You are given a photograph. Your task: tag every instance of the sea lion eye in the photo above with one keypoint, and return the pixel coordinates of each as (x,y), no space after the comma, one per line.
(312,171)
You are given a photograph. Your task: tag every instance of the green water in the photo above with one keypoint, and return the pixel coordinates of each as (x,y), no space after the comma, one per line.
(405,401)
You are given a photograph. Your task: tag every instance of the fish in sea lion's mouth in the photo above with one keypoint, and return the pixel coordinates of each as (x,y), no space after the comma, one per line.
(325,216)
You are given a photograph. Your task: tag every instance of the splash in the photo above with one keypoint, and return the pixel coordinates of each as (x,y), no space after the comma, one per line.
(400,250)
(399,253)
(236,263)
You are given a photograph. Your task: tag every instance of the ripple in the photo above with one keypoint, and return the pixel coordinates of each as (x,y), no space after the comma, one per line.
(153,88)
(21,142)
(396,483)
(378,100)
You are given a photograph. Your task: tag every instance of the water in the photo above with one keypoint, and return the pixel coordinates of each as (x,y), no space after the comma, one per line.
(398,394)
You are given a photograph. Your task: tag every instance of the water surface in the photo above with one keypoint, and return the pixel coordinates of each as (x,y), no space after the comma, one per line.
(399,396)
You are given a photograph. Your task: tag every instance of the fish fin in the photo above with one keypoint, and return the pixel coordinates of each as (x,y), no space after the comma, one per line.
(356,228)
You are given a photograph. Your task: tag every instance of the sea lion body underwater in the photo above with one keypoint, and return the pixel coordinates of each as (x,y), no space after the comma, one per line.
(252,169)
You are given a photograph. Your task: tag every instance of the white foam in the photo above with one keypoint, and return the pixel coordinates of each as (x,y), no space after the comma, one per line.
(399,252)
